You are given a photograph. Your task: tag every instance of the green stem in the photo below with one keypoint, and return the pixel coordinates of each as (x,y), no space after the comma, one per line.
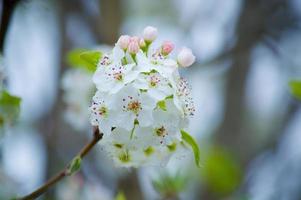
(134,57)
(133,129)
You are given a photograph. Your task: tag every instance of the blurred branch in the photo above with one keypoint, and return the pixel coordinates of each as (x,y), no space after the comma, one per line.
(259,22)
(250,30)
(8,7)
(111,13)
(97,136)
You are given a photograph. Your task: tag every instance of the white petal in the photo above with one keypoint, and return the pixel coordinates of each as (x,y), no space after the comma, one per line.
(148,103)
(140,84)
(116,87)
(131,76)
(157,94)
(118,53)
(145,118)
(125,120)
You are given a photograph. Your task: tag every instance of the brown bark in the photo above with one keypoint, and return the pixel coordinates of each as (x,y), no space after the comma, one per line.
(111,17)
(233,134)
(8,7)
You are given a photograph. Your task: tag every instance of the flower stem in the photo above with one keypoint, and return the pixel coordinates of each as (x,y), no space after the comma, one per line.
(134,58)
(97,136)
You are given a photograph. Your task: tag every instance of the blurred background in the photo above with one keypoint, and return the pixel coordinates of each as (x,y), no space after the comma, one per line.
(247,123)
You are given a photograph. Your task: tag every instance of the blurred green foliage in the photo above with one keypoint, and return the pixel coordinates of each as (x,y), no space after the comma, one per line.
(221,171)
(9,108)
(83,58)
(295,87)
(170,186)
(120,196)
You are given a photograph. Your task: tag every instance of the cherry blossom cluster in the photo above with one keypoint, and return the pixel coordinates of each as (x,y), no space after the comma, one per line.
(141,103)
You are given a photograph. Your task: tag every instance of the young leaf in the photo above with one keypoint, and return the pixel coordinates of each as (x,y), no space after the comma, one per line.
(162,105)
(295,87)
(84,59)
(9,107)
(194,145)
(91,57)
(74,166)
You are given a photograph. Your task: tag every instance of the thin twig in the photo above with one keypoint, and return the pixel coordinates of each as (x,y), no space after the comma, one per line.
(97,136)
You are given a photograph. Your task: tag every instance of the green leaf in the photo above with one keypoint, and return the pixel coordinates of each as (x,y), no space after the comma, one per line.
(9,107)
(74,166)
(91,57)
(120,196)
(295,87)
(194,145)
(221,171)
(162,105)
(84,59)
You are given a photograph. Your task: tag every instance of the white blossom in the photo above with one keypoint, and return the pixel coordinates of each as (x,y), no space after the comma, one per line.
(111,76)
(141,104)
(101,112)
(78,89)
(156,85)
(182,97)
(132,105)
(156,61)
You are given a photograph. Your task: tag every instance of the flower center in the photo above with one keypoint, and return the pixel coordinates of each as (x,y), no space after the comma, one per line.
(103,111)
(134,106)
(125,157)
(118,76)
(161,131)
(154,80)
(105,61)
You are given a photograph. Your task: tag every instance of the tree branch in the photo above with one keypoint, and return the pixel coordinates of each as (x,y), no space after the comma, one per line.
(8,7)
(97,136)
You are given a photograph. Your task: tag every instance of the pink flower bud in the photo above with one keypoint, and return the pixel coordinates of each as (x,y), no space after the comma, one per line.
(185,57)
(135,39)
(133,46)
(167,47)
(150,33)
(142,43)
(123,41)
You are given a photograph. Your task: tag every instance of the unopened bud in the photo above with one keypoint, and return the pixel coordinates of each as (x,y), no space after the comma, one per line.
(167,47)
(150,33)
(185,57)
(123,41)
